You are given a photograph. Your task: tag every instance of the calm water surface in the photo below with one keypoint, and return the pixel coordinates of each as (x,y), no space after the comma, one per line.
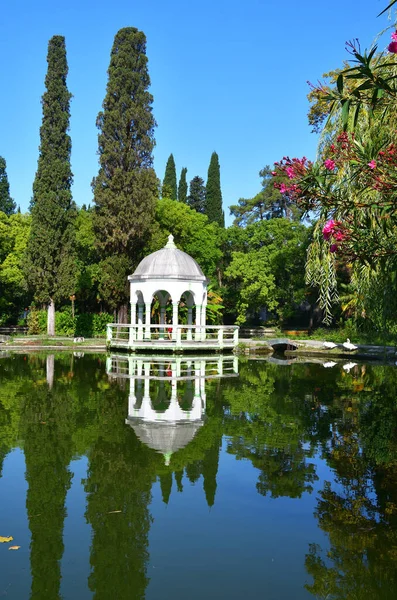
(127,479)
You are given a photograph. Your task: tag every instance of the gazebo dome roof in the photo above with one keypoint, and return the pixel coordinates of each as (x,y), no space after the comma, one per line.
(168,263)
(165,437)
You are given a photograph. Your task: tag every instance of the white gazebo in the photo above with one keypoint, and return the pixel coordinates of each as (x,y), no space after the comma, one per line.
(167,399)
(169,277)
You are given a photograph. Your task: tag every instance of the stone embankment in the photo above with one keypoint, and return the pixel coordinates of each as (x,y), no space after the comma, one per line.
(298,348)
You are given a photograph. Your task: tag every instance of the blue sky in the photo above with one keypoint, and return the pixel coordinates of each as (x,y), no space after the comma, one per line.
(226,75)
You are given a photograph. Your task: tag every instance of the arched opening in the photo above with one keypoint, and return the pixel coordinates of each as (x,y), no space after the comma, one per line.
(160,314)
(187,313)
(281,345)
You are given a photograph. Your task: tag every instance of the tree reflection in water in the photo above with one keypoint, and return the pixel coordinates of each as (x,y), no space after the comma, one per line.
(283,420)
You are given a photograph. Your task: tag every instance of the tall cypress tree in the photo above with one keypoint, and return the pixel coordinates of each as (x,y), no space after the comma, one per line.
(169,183)
(7,204)
(50,262)
(196,198)
(126,187)
(213,208)
(182,187)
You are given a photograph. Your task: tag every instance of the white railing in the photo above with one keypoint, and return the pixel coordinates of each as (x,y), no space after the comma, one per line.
(181,335)
(166,367)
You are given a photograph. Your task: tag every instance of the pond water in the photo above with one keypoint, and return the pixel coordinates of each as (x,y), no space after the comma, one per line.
(204,478)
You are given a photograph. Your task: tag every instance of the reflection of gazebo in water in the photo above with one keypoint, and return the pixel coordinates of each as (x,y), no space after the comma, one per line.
(167,400)
(169,277)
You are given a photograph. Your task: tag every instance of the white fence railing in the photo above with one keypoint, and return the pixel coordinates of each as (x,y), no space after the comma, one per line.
(164,368)
(129,335)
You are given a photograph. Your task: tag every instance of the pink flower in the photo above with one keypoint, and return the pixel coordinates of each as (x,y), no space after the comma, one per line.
(274,173)
(392,47)
(283,188)
(327,229)
(333,248)
(339,236)
(290,172)
(372,164)
(394,36)
(329,164)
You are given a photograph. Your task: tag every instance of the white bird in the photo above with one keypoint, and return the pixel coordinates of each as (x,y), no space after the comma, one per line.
(329,364)
(348,345)
(330,345)
(348,366)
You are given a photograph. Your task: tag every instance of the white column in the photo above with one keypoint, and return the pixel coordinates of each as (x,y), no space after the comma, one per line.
(189,321)
(131,398)
(133,313)
(148,308)
(178,366)
(147,380)
(131,366)
(132,336)
(174,319)
(220,366)
(140,321)
(203,321)
(162,322)
(235,364)
(198,322)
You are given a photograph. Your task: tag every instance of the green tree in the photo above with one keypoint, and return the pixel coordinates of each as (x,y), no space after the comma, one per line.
(197,194)
(213,205)
(182,186)
(169,189)
(7,204)
(126,187)
(269,203)
(192,232)
(89,271)
(46,426)
(265,268)
(50,257)
(14,235)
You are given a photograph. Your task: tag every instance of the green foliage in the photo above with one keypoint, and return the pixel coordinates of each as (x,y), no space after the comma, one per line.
(213,202)
(85,324)
(126,187)
(65,323)
(192,232)
(113,283)
(7,204)
(92,324)
(182,186)
(358,192)
(266,266)
(33,321)
(169,189)
(197,194)
(268,204)
(14,234)
(50,265)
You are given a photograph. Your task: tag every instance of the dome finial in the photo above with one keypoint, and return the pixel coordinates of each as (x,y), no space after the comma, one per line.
(170,243)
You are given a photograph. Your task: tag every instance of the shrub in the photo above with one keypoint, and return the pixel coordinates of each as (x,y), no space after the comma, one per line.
(93,324)
(37,321)
(65,323)
(33,321)
(85,325)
